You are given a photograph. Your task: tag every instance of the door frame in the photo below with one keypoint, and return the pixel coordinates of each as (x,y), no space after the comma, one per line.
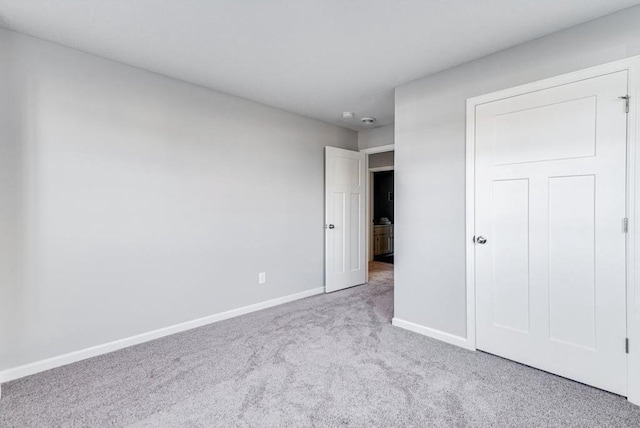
(632,66)
(368,192)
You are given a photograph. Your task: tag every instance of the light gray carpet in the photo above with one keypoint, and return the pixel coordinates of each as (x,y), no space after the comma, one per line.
(332,360)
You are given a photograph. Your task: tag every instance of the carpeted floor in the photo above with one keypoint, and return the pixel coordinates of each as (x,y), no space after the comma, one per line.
(331,360)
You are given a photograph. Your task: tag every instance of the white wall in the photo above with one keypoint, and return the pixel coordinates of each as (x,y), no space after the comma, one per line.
(430,158)
(377,160)
(375,137)
(11,231)
(131,201)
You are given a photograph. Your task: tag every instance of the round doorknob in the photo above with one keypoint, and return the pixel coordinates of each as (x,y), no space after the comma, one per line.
(481,240)
(331,226)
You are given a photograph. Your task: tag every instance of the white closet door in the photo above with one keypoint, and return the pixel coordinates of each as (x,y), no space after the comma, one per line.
(550,202)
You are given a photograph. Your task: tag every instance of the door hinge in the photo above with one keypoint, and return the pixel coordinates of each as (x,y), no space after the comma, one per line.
(626,345)
(626,99)
(625,225)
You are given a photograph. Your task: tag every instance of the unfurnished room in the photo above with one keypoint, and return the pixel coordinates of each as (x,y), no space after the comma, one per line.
(320,213)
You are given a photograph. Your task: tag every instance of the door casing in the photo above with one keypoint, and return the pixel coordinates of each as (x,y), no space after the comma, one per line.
(632,65)
(369,194)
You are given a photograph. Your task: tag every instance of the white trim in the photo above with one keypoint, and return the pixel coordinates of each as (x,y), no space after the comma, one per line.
(632,65)
(587,73)
(633,237)
(369,194)
(369,204)
(379,149)
(72,357)
(442,336)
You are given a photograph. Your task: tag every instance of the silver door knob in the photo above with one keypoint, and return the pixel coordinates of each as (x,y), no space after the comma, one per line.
(481,240)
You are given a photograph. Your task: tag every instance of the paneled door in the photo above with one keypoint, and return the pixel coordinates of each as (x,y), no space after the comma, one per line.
(346,263)
(550,230)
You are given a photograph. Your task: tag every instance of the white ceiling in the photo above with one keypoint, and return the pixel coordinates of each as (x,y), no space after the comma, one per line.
(317,58)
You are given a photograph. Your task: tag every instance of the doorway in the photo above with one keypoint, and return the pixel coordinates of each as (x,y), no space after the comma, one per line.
(383,219)
(380,207)
(355,231)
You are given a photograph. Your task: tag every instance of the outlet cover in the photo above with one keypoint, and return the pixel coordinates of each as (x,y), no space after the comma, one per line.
(262,277)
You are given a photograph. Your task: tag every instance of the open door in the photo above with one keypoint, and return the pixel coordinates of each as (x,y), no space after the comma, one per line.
(345,251)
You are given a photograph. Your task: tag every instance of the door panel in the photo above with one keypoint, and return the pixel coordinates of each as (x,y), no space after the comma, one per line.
(572,260)
(345,219)
(557,130)
(511,253)
(355,234)
(550,200)
(335,241)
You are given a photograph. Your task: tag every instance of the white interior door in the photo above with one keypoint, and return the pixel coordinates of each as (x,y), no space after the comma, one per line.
(550,202)
(346,263)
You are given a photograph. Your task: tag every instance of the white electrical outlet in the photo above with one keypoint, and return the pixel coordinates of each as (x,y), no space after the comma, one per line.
(262,277)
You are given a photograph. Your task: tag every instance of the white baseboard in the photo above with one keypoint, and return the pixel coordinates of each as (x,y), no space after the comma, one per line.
(433,333)
(72,357)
